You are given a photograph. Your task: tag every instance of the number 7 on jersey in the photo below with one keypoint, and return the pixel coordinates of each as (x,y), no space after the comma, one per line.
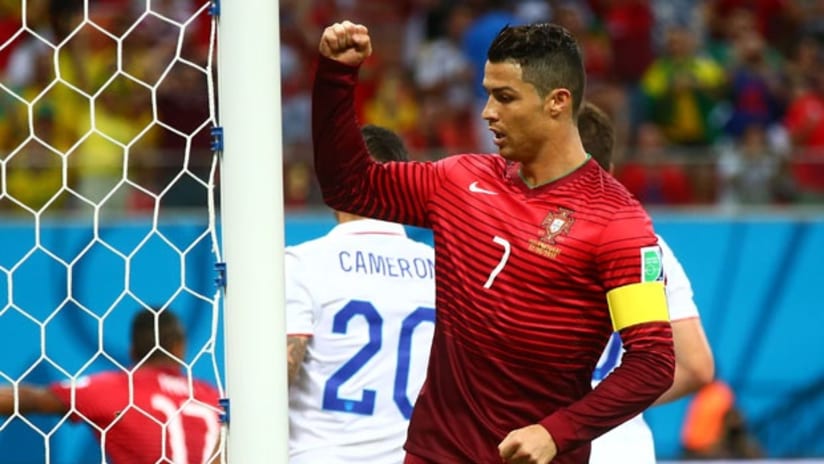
(500,267)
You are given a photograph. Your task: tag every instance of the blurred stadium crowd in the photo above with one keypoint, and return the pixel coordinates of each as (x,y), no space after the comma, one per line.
(718,102)
(112,88)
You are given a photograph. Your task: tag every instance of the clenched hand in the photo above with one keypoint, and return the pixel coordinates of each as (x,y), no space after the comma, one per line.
(346,42)
(528,445)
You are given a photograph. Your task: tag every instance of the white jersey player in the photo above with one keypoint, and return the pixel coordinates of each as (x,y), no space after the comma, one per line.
(632,442)
(359,319)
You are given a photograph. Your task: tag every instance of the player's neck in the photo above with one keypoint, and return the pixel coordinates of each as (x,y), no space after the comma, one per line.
(560,154)
(557,160)
(165,363)
(346,217)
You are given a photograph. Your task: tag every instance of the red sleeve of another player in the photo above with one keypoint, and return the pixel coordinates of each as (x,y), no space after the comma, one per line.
(648,364)
(98,398)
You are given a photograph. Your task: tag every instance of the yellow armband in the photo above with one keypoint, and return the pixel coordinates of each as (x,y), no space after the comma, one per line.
(636,304)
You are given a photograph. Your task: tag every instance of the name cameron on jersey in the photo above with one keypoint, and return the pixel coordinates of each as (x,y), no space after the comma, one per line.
(368,263)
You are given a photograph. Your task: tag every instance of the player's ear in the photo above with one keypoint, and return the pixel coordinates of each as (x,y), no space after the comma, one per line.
(558,101)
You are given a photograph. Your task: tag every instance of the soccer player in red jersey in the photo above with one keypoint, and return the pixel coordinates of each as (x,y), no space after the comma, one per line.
(540,255)
(165,409)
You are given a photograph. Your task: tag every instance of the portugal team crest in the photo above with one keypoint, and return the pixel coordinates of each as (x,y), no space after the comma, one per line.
(557,223)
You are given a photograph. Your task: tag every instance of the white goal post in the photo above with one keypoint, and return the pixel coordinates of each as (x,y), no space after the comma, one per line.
(252,230)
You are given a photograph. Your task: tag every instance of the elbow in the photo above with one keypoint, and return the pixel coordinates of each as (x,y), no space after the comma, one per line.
(691,374)
(666,366)
(669,379)
(670,361)
(700,372)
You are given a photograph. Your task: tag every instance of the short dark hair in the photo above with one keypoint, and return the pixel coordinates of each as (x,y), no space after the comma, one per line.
(549,56)
(148,341)
(597,134)
(383,144)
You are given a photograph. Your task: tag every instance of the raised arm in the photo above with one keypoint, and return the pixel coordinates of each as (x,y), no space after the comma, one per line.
(30,399)
(350,180)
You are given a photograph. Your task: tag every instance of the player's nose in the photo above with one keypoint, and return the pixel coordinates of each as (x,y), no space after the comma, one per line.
(489,113)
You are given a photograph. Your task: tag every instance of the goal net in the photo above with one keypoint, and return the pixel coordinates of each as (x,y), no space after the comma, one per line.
(106,177)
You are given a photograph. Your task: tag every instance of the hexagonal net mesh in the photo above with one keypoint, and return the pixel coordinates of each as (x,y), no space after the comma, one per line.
(106,188)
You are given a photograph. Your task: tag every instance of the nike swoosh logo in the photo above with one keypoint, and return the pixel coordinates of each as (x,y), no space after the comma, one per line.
(473,187)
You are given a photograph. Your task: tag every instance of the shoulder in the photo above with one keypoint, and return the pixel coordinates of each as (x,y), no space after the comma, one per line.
(470,160)
(307,245)
(678,285)
(104,378)
(675,272)
(607,193)
(206,392)
(106,381)
(473,166)
(418,247)
(308,248)
(670,259)
(665,248)
(610,209)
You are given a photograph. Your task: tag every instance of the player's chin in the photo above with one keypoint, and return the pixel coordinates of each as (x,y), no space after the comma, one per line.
(506,152)
(510,153)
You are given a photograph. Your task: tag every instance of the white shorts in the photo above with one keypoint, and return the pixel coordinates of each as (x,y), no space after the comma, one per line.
(629,443)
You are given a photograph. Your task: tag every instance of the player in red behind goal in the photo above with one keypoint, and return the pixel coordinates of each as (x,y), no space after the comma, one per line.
(165,409)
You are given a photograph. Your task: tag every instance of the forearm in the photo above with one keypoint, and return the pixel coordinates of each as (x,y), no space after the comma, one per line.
(694,363)
(350,180)
(684,383)
(645,373)
(30,399)
(339,150)
(6,401)
(295,353)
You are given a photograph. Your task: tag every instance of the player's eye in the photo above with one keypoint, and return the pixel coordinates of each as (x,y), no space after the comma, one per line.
(503,97)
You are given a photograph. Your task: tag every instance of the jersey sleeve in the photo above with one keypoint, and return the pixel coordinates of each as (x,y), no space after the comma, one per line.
(62,390)
(302,309)
(98,398)
(630,267)
(623,245)
(350,180)
(679,290)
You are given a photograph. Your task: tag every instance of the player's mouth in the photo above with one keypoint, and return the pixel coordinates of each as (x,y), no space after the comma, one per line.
(498,137)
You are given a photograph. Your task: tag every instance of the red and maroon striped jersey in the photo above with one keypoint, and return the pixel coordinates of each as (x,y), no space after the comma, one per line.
(168,419)
(521,276)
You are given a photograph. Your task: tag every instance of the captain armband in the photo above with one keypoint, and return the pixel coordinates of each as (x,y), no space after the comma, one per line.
(636,304)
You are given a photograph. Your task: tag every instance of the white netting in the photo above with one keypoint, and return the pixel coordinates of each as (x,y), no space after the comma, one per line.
(105,177)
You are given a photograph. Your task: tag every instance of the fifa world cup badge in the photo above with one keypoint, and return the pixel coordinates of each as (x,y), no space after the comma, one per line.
(652,267)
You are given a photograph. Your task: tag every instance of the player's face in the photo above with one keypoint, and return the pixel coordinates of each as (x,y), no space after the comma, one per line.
(514,111)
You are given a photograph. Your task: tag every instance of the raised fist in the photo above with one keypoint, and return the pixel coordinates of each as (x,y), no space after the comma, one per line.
(346,42)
